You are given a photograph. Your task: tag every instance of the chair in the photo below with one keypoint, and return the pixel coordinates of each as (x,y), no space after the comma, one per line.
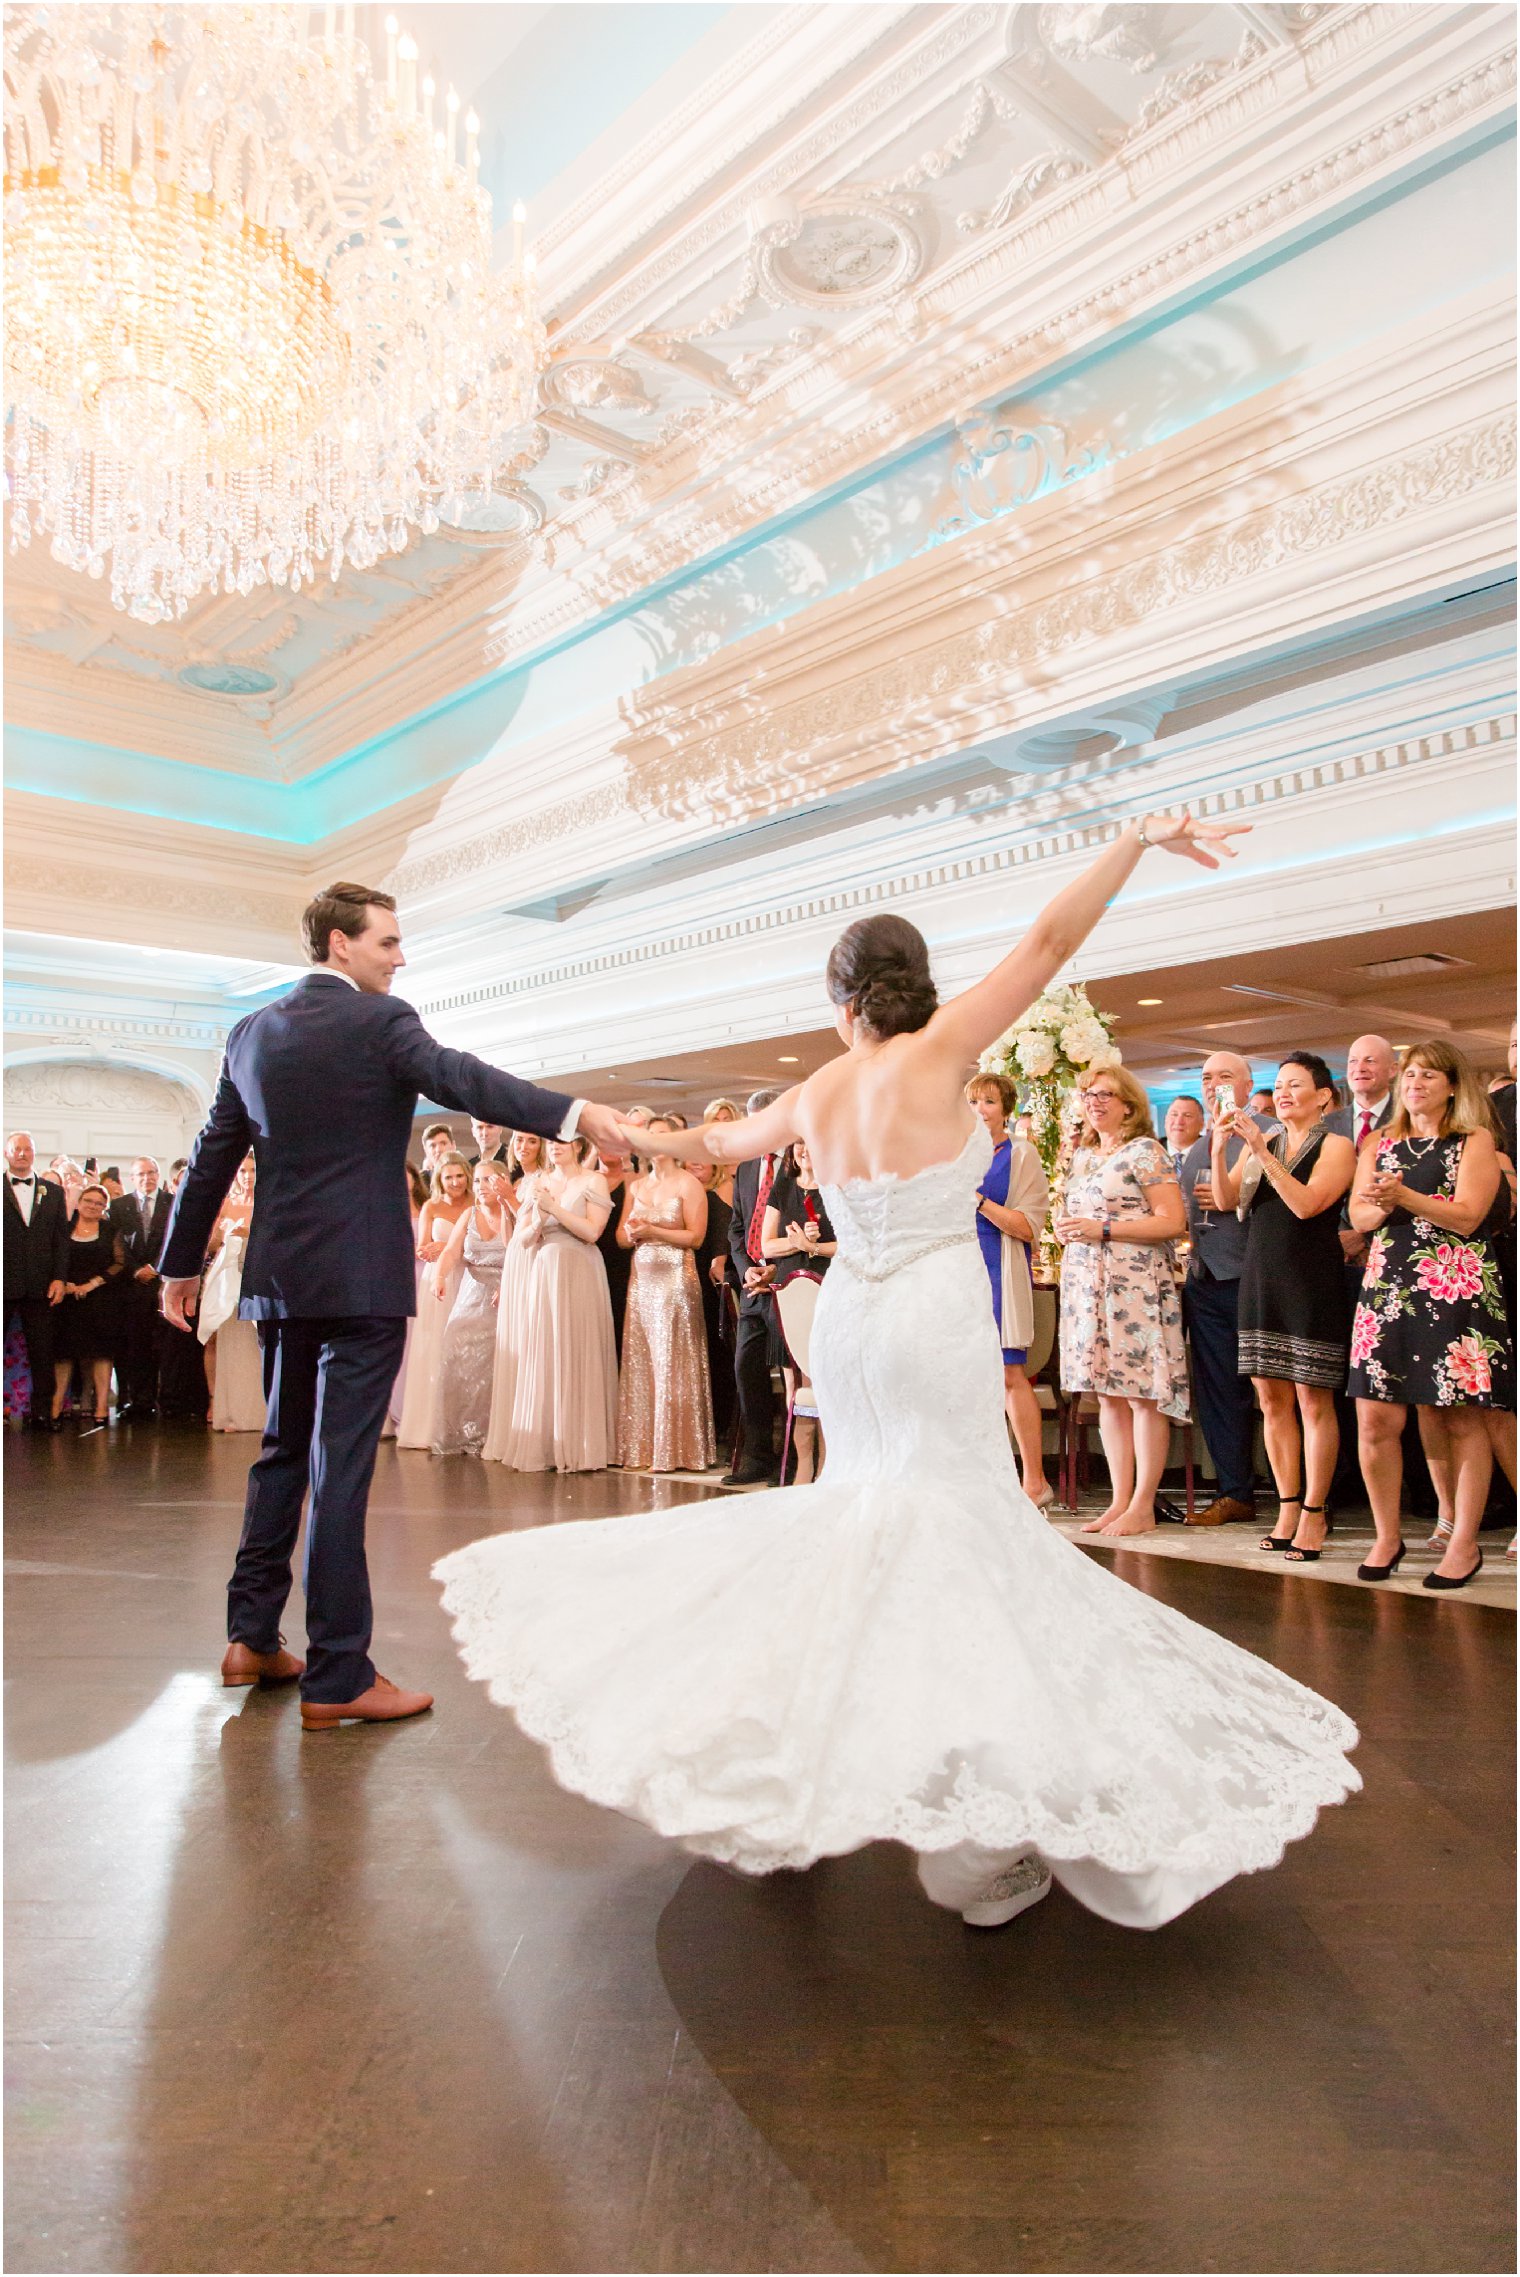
(796,1303)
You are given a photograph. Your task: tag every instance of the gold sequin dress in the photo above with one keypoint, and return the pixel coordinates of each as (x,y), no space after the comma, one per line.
(665,1417)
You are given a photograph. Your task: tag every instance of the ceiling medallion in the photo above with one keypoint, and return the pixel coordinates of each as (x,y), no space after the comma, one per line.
(252,321)
(836,254)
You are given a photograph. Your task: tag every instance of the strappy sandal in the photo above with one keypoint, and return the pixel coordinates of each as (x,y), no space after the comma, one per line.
(1275,1541)
(1297,1556)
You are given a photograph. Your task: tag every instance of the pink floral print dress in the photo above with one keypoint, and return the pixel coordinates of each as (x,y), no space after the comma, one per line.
(1431,1329)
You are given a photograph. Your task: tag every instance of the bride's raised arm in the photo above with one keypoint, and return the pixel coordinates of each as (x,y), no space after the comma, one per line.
(976,1018)
(768,1132)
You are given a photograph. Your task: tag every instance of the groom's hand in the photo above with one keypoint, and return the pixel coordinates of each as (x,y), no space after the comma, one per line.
(601,1126)
(176,1298)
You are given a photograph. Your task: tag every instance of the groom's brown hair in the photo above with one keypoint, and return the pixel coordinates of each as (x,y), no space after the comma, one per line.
(342,908)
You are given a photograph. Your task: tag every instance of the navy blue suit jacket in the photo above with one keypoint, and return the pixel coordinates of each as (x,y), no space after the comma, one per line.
(323,1085)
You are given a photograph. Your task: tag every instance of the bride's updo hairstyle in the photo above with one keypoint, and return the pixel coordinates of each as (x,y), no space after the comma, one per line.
(880,968)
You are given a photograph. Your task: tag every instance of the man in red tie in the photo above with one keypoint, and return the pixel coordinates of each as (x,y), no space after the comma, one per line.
(750,1277)
(1372,1074)
(1372,1070)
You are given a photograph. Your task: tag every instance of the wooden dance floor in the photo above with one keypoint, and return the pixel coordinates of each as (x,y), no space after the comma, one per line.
(386,2000)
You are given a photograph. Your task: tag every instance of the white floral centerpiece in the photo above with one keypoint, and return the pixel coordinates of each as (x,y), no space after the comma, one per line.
(1060,1038)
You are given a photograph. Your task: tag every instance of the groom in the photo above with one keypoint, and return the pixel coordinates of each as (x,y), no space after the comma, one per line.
(323,1085)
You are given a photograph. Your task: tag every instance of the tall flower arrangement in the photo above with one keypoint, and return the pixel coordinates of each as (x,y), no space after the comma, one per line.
(1059,1038)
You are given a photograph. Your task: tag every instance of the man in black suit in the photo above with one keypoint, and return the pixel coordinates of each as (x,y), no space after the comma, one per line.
(490,1142)
(323,1085)
(36,1258)
(1372,1076)
(750,1278)
(141,1217)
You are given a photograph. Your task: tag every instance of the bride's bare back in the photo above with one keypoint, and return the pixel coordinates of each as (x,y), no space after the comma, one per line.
(893,1104)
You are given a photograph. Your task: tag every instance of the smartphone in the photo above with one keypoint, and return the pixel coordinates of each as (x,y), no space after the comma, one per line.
(1224,1101)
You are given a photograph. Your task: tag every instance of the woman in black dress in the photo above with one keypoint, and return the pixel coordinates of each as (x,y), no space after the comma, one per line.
(84,1325)
(797,1237)
(1294,1332)
(1432,1328)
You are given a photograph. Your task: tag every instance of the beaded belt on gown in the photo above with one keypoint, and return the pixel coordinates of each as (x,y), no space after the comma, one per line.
(901,1264)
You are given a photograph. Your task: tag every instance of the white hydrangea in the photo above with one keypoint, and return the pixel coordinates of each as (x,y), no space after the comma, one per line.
(1036,1054)
(1107,1055)
(1080,1038)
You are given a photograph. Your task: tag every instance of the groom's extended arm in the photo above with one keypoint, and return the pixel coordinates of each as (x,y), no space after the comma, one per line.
(469,1086)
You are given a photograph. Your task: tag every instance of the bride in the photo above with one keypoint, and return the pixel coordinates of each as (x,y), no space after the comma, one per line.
(904,1650)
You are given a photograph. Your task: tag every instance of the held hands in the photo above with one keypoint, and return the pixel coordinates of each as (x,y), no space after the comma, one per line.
(1195,841)
(758,1277)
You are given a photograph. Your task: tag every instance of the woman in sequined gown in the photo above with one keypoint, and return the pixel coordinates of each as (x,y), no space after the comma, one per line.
(475,1253)
(904,1651)
(665,1418)
(564,1403)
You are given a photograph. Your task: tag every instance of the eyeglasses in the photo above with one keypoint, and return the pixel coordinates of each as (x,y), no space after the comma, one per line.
(1103,1094)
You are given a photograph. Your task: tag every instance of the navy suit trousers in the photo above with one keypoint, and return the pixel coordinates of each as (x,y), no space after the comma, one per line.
(1226,1404)
(328,1384)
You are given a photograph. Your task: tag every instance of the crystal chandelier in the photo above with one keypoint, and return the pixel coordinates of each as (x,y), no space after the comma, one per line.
(252,324)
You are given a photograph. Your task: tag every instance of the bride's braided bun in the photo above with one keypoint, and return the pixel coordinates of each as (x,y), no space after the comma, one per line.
(880,967)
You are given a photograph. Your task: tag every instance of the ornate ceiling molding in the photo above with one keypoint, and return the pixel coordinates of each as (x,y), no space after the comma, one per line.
(1301,780)
(974,682)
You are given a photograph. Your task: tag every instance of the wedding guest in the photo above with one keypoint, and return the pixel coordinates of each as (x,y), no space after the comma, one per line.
(85,1334)
(722,1111)
(717,1183)
(73,1180)
(1121,1323)
(528,1157)
(142,1220)
(474,1256)
(446,1204)
(1260,1101)
(1011,1212)
(1210,1305)
(177,1169)
(417,1189)
(234,1363)
(437,1141)
(111,1180)
(664,1420)
(564,1406)
(797,1237)
(1294,1328)
(1432,1328)
(757,1344)
(1184,1127)
(36,1257)
(1372,1072)
(490,1142)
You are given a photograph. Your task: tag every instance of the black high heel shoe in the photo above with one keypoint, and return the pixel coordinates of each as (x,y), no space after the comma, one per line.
(1381,1572)
(1308,1557)
(1444,1581)
(1281,1541)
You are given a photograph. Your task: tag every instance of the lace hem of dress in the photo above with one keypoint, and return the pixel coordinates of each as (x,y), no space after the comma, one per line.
(953,1805)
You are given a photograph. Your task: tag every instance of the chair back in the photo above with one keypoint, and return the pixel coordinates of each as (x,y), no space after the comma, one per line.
(796,1303)
(1042,1344)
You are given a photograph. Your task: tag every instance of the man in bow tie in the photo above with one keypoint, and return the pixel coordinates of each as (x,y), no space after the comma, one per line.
(36,1259)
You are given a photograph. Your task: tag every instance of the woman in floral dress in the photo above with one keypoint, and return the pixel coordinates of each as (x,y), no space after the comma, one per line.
(1121,1318)
(1431,1329)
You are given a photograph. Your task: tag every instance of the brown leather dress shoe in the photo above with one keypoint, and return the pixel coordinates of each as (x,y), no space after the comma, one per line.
(242,1665)
(1224,1510)
(383,1703)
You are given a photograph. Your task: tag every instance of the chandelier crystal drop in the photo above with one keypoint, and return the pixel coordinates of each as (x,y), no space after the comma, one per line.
(252,325)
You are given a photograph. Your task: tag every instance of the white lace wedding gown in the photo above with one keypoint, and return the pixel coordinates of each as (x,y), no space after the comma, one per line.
(906,1650)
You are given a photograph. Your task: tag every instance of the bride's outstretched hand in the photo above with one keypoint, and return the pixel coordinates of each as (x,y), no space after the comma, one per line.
(1202,842)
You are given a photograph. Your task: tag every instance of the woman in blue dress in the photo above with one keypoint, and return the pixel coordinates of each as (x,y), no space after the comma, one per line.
(1012,1206)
